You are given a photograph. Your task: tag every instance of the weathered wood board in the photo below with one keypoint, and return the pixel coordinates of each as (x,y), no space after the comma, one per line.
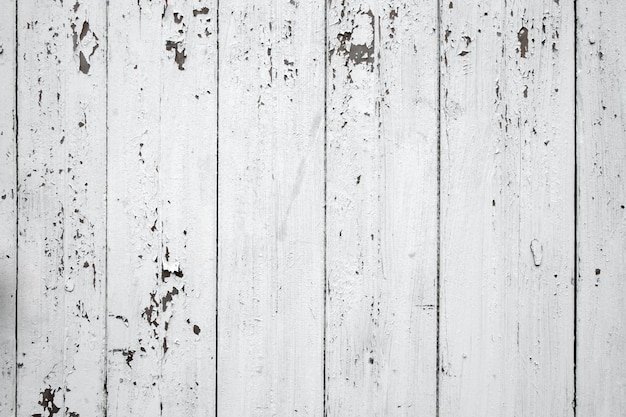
(8,207)
(340,208)
(271,209)
(162,161)
(61,81)
(382,114)
(507,208)
(601,225)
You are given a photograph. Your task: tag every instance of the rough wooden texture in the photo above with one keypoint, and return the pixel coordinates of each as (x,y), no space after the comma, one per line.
(271,209)
(507,208)
(382,208)
(62,182)
(162,208)
(601,154)
(8,208)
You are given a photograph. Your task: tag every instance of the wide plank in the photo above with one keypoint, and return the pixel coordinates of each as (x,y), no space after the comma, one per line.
(62,216)
(271,208)
(162,207)
(382,106)
(507,208)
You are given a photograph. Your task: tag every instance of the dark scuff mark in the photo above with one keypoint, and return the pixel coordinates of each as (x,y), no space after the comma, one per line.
(129,354)
(447,35)
(358,53)
(178,18)
(149,313)
(47,402)
(522,37)
(76,6)
(168,298)
(196,329)
(74,36)
(84,65)
(119,317)
(180,55)
(204,10)
(84,30)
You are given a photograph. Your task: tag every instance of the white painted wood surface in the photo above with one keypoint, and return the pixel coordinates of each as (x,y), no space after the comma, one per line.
(62,183)
(382,209)
(281,208)
(271,209)
(601,237)
(162,147)
(507,208)
(8,208)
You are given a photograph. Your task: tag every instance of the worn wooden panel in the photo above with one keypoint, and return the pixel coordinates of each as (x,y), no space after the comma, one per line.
(271,208)
(62,180)
(507,208)
(8,208)
(601,163)
(162,208)
(382,208)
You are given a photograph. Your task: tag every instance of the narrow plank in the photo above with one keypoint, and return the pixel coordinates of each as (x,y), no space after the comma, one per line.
(188,186)
(271,207)
(507,209)
(62,180)
(382,208)
(162,210)
(8,208)
(601,168)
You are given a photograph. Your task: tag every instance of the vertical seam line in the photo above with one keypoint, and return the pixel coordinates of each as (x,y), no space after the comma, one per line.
(575,347)
(438,277)
(17,199)
(217,196)
(325,200)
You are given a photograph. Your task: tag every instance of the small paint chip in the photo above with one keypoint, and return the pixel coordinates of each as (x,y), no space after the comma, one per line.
(522,37)
(84,65)
(204,10)
(196,329)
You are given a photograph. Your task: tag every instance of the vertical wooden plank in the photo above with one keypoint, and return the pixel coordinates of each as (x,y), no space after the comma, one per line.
(271,207)
(601,168)
(382,208)
(507,212)
(62,180)
(8,208)
(162,208)
(188,187)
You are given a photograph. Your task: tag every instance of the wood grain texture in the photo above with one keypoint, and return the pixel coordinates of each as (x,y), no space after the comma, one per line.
(8,208)
(382,208)
(507,208)
(162,208)
(62,180)
(271,208)
(601,162)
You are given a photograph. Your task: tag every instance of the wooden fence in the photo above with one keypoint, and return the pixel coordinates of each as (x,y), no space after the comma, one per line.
(349,208)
